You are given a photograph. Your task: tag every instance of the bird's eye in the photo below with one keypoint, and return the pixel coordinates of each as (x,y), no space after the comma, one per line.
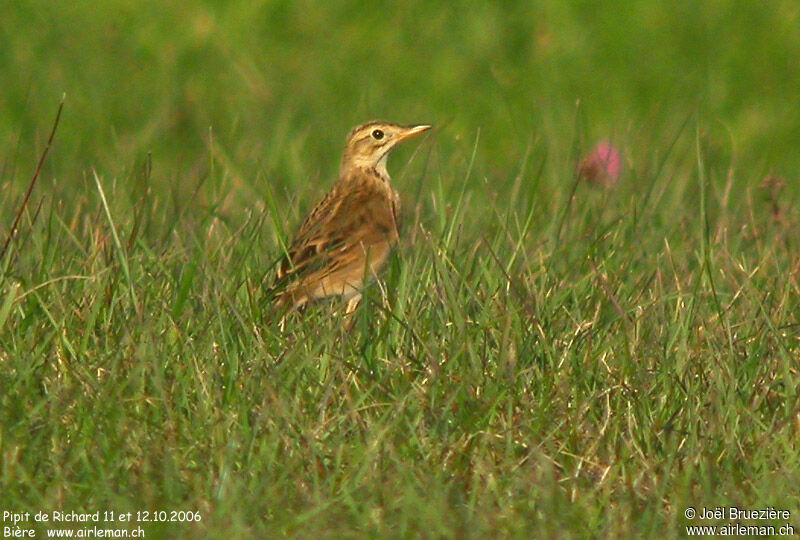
(377,134)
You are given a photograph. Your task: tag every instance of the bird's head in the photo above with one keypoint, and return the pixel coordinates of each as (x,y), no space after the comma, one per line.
(368,145)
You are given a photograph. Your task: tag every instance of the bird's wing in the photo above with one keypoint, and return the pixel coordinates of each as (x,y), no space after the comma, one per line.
(337,233)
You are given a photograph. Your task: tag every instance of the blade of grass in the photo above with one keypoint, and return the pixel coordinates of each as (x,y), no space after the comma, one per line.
(12,232)
(123,257)
(8,303)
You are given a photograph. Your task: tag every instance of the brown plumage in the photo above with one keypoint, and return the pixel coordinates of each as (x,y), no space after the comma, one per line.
(349,235)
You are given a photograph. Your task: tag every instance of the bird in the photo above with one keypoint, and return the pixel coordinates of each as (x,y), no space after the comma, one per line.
(346,240)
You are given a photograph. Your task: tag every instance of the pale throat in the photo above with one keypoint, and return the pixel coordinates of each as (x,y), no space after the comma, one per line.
(379,167)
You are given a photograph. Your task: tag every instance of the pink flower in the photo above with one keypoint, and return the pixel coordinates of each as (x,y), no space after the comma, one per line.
(601,166)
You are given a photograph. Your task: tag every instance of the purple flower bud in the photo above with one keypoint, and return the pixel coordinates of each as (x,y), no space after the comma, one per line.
(601,166)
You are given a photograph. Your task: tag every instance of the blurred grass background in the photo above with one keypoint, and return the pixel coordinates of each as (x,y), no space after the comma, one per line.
(156,77)
(551,360)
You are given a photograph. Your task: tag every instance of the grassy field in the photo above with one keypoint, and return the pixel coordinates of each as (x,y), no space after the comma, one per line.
(543,358)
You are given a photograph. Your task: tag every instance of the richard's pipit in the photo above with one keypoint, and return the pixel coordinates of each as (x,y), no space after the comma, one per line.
(349,235)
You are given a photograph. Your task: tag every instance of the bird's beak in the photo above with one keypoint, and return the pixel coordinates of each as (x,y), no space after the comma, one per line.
(412,131)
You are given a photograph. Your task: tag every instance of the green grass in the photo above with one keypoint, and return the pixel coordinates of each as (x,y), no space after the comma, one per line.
(542,359)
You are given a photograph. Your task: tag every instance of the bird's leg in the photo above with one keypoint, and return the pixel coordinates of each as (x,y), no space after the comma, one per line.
(349,311)
(352,305)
